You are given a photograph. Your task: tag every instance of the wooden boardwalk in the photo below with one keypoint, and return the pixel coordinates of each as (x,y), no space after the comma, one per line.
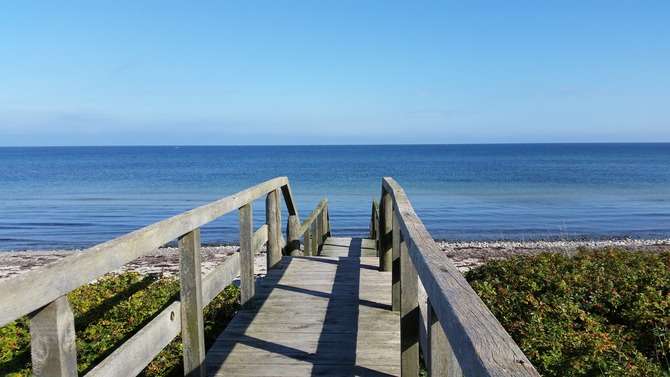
(322,316)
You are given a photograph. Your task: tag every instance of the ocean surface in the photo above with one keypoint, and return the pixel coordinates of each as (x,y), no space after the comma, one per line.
(76,197)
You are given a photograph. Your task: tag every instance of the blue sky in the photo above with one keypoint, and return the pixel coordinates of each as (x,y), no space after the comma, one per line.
(333,72)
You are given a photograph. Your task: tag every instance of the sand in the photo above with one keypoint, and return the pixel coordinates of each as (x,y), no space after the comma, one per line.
(464,255)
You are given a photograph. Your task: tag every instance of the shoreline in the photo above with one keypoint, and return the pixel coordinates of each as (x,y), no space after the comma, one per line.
(464,255)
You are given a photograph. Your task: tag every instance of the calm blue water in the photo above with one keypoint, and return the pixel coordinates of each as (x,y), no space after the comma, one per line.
(75,197)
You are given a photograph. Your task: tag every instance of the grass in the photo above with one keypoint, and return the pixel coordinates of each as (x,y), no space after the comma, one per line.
(109,312)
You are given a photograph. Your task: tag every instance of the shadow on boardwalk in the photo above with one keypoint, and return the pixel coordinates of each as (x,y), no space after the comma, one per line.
(320,316)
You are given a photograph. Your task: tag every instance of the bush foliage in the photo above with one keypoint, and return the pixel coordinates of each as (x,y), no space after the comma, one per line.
(602,312)
(109,312)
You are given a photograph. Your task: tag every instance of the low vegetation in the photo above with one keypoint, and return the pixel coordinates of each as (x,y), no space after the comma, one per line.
(109,312)
(603,312)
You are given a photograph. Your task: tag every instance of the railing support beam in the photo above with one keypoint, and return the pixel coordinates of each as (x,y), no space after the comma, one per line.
(307,241)
(409,315)
(293,235)
(316,241)
(395,272)
(273,219)
(246,226)
(192,322)
(385,232)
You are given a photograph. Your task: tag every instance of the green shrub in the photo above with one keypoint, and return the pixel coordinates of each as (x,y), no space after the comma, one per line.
(109,312)
(602,312)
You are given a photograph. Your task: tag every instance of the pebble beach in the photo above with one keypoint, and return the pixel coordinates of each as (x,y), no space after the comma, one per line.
(464,255)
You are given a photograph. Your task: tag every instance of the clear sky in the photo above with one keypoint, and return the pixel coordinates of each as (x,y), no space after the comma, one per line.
(333,72)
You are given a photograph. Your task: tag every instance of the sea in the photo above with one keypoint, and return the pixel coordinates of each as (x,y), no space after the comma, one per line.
(77,197)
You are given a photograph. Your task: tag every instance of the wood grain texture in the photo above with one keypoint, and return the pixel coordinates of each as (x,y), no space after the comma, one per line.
(307,242)
(137,352)
(480,343)
(307,223)
(442,361)
(219,278)
(293,234)
(395,263)
(374,220)
(246,257)
(385,232)
(327,316)
(409,315)
(190,283)
(273,220)
(260,238)
(52,340)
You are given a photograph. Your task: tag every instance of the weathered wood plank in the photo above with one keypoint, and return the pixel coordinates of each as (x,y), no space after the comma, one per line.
(482,345)
(192,325)
(315,241)
(219,278)
(273,220)
(293,234)
(340,247)
(442,361)
(307,241)
(260,238)
(362,341)
(52,340)
(319,312)
(273,354)
(305,369)
(374,222)
(395,263)
(409,315)
(288,199)
(385,232)
(137,352)
(307,223)
(246,257)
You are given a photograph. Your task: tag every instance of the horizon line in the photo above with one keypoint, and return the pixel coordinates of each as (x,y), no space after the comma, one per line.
(329,145)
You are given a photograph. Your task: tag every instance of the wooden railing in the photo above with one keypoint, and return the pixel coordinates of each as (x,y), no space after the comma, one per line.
(42,293)
(315,229)
(374,223)
(457,332)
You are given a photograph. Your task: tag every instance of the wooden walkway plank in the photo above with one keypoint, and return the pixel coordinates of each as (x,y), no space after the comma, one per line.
(321,316)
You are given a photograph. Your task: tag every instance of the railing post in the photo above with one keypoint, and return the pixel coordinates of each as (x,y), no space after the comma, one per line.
(307,242)
(315,240)
(273,219)
(293,235)
(319,227)
(385,231)
(440,356)
(52,340)
(192,323)
(327,217)
(409,315)
(373,221)
(395,272)
(246,258)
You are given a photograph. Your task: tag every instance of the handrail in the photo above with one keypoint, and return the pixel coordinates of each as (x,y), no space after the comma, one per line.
(459,325)
(374,220)
(319,222)
(35,288)
(42,292)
